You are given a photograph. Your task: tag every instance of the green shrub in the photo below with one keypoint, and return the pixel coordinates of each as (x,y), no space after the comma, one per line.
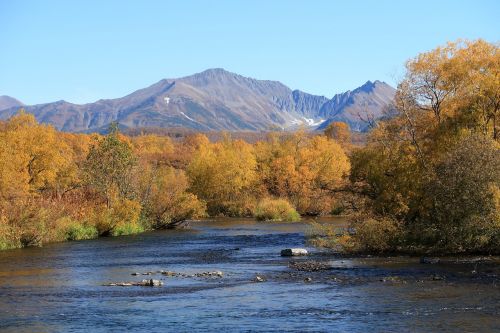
(123,216)
(81,231)
(127,229)
(6,239)
(275,210)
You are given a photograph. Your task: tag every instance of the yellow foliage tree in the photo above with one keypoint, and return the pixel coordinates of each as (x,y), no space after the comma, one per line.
(303,169)
(338,131)
(222,173)
(31,155)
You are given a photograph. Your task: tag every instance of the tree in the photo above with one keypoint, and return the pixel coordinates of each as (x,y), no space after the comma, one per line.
(31,157)
(459,81)
(338,131)
(433,168)
(303,169)
(222,174)
(167,201)
(109,166)
(462,210)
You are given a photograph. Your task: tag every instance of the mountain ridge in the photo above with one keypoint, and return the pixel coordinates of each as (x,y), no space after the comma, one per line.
(7,102)
(216,99)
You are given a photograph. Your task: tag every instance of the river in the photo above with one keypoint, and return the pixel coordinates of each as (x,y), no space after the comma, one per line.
(60,287)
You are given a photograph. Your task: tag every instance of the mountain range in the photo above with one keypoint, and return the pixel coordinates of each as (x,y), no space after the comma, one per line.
(215,100)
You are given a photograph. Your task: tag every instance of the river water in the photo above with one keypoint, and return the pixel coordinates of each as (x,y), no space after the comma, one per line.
(59,288)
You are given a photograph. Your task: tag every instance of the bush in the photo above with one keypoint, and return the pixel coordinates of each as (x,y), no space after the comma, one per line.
(123,216)
(167,200)
(275,210)
(323,235)
(5,242)
(364,234)
(79,231)
(373,234)
(25,224)
(127,229)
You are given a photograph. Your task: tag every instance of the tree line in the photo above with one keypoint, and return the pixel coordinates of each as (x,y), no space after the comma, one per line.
(57,186)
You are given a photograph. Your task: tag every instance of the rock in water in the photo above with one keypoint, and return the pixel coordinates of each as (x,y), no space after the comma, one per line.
(259,279)
(309,266)
(143,283)
(293,252)
(155,283)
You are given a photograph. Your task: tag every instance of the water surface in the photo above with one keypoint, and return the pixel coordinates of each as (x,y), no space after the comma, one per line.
(59,288)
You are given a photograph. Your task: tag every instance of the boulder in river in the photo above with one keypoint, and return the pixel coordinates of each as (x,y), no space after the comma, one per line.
(293,252)
(150,283)
(259,279)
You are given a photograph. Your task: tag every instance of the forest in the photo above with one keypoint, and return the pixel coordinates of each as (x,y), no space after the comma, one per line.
(427,179)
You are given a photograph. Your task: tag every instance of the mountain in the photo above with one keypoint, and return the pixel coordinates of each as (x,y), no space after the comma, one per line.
(7,102)
(356,107)
(215,100)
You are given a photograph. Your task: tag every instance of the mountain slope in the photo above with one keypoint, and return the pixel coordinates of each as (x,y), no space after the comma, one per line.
(7,102)
(212,100)
(357,106)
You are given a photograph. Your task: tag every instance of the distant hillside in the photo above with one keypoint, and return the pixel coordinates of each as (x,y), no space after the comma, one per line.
(355,107)
(7,102)
(216,100)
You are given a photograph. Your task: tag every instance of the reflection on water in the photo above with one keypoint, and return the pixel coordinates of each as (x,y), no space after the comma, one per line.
(59,287)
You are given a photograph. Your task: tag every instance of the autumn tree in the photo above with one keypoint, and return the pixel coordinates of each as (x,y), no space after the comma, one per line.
(109,166)
(338,131)
(222,174)
(432,167)
(462,201)
(166,200)
(152,148)
(303,169)
(31,157)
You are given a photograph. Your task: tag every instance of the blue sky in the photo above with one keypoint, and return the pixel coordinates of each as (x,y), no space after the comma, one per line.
(81,51)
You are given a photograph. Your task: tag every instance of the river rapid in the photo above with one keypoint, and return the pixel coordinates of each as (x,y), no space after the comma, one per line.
(61,287)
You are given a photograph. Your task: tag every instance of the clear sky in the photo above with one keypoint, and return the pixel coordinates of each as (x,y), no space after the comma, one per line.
(84,50)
